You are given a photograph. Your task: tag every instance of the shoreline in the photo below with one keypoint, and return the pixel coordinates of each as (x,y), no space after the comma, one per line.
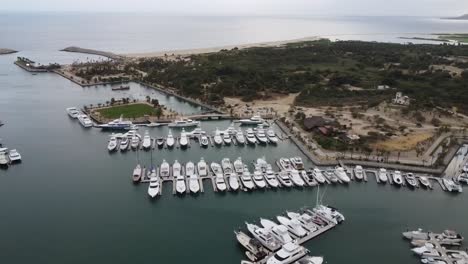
(4,51)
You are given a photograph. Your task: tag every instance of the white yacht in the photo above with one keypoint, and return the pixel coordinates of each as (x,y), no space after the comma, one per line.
(85,121)
(197,132)
(227,166)
(247,179)
(117,124)
(230,130)
(452,186)
(135,142)
(204,141)
(296,178)
(258,178)
(297,163)
(124,143)
(310,260)
(262,138)
(240,137)
(146,140)
(153,188)
(218,139)
(289,253)
(411,180)
(112,145)
(254,120)
(220,183)
(184,123)
(180,184)
(397,178)
(14,155)
(4,160)
(194,185)
(283,177)
(216,169)
(73,112)
(227,138)
(317,174)
(293,225)
(270,177)
(170,140)
(425,182)
(189,168)
(160,142)
(262,164)
(251,136)
(280,232)
(239,166)
(272,136)
(329,213)
(165,169)
(358,172)
(305,219)
(341,174)
(264,237)
(183,139)
(176,169)
(233,181)
(285,164)
(202,168)
(383,178)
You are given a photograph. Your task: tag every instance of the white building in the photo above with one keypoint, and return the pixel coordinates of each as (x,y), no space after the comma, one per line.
(401,99)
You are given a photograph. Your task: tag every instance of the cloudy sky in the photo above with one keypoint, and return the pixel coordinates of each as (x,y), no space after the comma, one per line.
(249,7)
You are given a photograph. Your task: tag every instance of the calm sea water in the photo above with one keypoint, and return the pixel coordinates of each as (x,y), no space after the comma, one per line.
(72,202)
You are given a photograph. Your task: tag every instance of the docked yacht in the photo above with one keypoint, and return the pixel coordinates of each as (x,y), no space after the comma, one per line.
(271,135)
(308,178)
(137,173)
(310,260)
(154,187)
(250,136)
(227,138)
(135,141)
(262,138)
(297,163)
(194,185)
(289,253)
(262,164)
(358,172)
(427,250)
(463,178)
(448,237)
(112,145)
(183,139)
(124,143)
(411,180)
(197,132)
(85,121)
(329,213)
(73,112)
(14,156)
(280,232)
(204,141)
(202,168)
(4,160)
(331,176)
(284,179)
(180,179)
(425,182)
(189,168)
(285,164)
(296,178)
(160,142)
(382,174)
(341,174)
(256,250)
(305,219)
(218,139)
(264,237)
(246,179)
(270,177)
(452,186)
(293,225)
(240,137)
(317,174)
(184,123)
(165,169)
(239,166)
(397,178)
(258,178)
(146,140)
(254,120)
(170,140)
(233,181)
(117,124)
(227,166)
(220,183)
(216,169)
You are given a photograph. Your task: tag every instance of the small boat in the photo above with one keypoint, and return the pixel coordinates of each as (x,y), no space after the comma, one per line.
(293,225)
(285,164)
(251,139)
(202,168)
(183,139)
(246,179)
(258,178)
(262,138)
(289,253)
(284,179)
(4,160)
(14,156)
(270,177)
(239,166)
(280,232)
(73,112)
(272,136)
(411,180)
(146,140)
(341,174)
(124,143)
(227,139)
(204,141)
(425,182)
(112,145)
(160,142)
(170,140)
(383,178)
(165,169)
(85,121)
(218,139)
(117,124)
(254,120)
(297,163)
(137,173)
(135,142)
(317,174)
(358,172)
(397,178)
(153,188)
(296,178)
(240,137)
(452,186)
(184,123)
(154,124)
(120,88)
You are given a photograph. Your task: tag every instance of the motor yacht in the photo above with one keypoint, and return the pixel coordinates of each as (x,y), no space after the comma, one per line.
(184,123)
(308,178)
(153,188)
(4,160)
(427,250)
(124,143)
(280,232)
(296,178)
(218,139)
(73,112)
(227,138)
(117,124)
(154,124)
(255,249)
(189,168)
(341,174)
(240,137)
(452,186)
(270,177)
(180,184)
(285,164)
(246,179)
(220,183)
(254,120)
(331,176)
(297,163)
(310,260)
(258,178)
(170,140)
(289,253)
(146,140)
(397,178)
(329,213)
(14,156)
(165,169)
(284,179)
(317,174)
(271,135)
(463,178)
(411,180)
(135,142)
(227,166)
(233,181)
(293,225)
(262,164)
(306,221)
(112,145)
(85,121)
(251,139)
(197,132)
(194,185)
(383,178)
(137,173)
(160,142)
(264,237)
(202,168)
(416,235)
(176,169)
(216,169)
(262,138)
(239,166)
(230,130)
(183,139)
(358,172)
(448,237)
(425,182)
(204,141)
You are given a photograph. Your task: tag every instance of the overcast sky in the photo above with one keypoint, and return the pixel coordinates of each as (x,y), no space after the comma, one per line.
(249,7)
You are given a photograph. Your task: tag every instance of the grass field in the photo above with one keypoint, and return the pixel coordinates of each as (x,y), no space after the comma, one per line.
(128,111)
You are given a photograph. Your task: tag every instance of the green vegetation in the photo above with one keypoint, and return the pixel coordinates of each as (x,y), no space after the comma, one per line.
(456,37)
(128,111)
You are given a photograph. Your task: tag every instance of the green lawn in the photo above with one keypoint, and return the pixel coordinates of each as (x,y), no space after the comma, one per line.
(128,111)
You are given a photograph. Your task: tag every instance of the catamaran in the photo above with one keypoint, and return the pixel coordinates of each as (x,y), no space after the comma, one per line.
(383,175)
(240,137)
(146,140)
(184,123)
(251,136)
(165,169)
(183,139)
(153,188)
(341,174)
(272,136)
(73,112)
(112,146)
(358,172)
(170,140)
(218,139)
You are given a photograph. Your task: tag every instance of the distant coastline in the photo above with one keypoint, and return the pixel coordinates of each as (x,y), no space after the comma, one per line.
(462,17)
(7,51)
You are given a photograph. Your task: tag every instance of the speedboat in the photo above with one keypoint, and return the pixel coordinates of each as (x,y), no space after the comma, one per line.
(264,237)
(285,164)
(4,160)
(383,178)
(85,121)
(170,140)
(137,173)
(452,186)
(184,123)
(272,136)
(425,182)
(246,179)
(112,145)
(254,120)
(270,177)
(296,178)
(280,232)
(306,220)
(341,174)
(202,168)
(251,136)
(220,183)
(204,141)
(293,225)
(239,166)
(73,112)
(358,172)
(318,175)
(258,178)
(183,139)
(135,142)
(329,213)
(160,142)
(14,156)
(289,253)
(397,178)
(146,140)
(153,188)
(117,124)
(218,139)
(411,180)
(240,137)
(283,177)
(165,169)
(297,163)
(124,143)
(262,138)
(227,138)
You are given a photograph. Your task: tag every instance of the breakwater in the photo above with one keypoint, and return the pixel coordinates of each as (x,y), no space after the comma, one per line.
(106,54)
